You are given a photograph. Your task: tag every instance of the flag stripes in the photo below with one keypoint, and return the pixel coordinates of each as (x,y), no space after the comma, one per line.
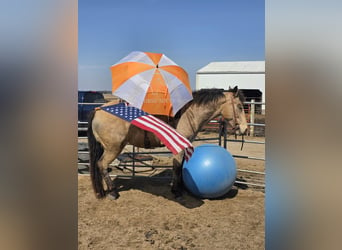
(177,137)
(174,141)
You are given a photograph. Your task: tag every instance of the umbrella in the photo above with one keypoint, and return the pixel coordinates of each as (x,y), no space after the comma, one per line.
(151,82)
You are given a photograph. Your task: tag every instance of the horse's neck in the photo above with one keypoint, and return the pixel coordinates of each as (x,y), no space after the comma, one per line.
(167,119)
(193,119)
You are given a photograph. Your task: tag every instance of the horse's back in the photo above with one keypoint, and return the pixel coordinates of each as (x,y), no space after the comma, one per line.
(109,129)
(105,122)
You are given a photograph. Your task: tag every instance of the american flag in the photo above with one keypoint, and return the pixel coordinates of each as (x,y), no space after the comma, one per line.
(174,141)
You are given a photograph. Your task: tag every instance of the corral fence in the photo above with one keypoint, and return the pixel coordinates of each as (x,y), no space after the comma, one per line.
(139,163)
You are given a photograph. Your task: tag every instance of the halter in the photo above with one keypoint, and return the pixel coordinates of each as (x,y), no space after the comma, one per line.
(235,120)
(234,113)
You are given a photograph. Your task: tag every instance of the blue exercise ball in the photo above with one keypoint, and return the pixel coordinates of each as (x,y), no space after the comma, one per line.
(210,172)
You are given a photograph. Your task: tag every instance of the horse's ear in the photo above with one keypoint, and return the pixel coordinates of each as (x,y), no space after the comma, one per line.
(229,88)
(236,91)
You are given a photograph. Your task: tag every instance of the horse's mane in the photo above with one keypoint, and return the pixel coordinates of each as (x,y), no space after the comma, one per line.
(205,96)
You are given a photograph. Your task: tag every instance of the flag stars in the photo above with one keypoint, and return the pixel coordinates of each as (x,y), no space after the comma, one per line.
(123,111)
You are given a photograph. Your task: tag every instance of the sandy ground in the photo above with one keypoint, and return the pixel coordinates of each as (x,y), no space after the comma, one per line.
(146,216)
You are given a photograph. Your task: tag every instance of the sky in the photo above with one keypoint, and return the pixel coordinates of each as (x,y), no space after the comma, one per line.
(192,33)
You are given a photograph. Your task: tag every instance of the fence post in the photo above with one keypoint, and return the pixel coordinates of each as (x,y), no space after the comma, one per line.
(225,131)
(220,132)
(251,129)
(133,162)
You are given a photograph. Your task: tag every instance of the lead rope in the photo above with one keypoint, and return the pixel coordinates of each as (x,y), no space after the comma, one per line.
(242,143)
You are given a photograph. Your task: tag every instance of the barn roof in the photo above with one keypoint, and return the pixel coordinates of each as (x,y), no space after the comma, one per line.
(233,67)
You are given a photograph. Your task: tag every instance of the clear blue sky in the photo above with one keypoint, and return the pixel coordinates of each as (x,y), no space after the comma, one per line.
(192,33)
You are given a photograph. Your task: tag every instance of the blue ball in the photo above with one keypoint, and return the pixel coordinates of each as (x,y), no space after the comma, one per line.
(210,172)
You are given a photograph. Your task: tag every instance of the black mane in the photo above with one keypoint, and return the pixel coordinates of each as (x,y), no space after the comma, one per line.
(204,96)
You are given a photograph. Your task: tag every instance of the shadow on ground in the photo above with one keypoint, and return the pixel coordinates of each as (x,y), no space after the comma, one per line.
(160,186)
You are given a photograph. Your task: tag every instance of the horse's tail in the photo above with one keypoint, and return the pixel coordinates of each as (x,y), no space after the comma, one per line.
(95,152)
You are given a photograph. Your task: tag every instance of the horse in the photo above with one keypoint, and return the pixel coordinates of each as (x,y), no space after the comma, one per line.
(108,134)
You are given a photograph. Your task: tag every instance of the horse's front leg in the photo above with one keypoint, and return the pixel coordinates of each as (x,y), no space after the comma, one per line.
(177,181)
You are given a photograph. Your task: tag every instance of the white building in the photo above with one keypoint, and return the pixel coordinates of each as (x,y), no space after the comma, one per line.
(247,75)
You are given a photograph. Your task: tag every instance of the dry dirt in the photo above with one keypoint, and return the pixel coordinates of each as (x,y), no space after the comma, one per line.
(146,215)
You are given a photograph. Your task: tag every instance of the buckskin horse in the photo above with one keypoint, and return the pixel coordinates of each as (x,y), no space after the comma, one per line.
(108,134)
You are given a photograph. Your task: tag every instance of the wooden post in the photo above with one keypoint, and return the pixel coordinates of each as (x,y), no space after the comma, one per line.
(251,129)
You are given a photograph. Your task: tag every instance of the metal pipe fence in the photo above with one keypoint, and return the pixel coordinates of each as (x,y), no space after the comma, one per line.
(256,180)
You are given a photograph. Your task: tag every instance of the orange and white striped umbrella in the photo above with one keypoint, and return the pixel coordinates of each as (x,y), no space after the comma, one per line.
(151,82)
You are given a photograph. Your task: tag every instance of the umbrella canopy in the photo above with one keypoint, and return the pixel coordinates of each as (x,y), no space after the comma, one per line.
(151,82)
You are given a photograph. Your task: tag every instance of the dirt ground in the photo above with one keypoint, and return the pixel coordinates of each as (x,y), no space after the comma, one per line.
(146,215)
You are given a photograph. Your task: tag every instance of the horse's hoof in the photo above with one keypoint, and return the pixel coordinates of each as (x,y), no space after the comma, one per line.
(178,194)
(113,195)
(180,198)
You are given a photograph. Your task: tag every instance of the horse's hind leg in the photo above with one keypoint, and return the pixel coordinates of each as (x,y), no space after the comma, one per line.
(103,164)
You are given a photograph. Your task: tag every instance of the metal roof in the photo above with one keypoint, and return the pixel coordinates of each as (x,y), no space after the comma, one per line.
(243,67)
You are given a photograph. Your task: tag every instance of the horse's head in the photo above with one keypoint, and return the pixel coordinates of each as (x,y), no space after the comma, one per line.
(233,112)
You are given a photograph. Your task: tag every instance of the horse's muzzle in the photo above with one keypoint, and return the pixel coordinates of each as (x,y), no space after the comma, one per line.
(241,130)
(238,129)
